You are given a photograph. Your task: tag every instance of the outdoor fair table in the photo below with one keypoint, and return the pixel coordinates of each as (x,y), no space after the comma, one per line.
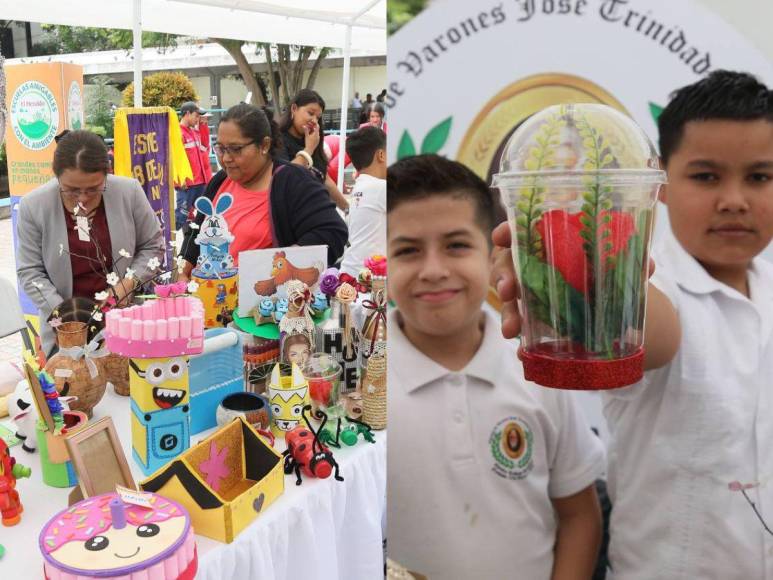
(322,529)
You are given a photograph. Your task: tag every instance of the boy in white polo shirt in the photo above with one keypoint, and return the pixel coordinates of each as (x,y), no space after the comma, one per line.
(489,476)
(691,444)
(367,214)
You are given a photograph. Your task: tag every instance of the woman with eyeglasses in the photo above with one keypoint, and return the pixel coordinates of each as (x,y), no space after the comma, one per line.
(303,140)
(275,203)
(78,227)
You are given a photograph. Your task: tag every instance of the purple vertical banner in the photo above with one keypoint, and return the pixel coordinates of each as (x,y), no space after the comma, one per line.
(149,143)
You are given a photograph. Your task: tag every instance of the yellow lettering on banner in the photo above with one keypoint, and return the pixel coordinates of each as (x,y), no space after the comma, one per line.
(138,174)
(155,192)
(154,170)
(145,143)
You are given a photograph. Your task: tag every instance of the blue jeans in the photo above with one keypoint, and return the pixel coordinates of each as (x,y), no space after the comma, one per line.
(185,200)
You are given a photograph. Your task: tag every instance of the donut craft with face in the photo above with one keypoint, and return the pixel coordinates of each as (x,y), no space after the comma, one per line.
(103,537)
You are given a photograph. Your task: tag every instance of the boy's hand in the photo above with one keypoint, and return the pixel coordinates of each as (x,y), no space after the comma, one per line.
(504,279)
(579,535)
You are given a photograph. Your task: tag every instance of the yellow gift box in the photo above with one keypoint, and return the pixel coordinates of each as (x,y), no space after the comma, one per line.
(224,481)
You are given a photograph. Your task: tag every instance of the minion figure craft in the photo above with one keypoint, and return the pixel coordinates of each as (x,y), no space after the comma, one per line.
(158,337)
(287,393)
(160,401)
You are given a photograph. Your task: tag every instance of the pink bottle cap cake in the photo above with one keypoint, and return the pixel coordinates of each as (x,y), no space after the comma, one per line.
(103,537)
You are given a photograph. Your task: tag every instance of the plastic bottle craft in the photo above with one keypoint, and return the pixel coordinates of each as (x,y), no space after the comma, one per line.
(374,388)
(52,427)
(579,183)
(158,337)
(306,453)
(374,329)
(287,395)
(296,328)
(103,537)
(10,504)
(215,272)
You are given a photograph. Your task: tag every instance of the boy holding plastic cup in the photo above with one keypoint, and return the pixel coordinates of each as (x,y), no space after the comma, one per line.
(689,461)
(489,476)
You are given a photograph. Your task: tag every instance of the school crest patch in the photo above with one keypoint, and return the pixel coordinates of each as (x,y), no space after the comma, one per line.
(512,446)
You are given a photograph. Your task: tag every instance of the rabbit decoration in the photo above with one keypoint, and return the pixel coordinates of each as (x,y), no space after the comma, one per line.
(214,238)
(215,271)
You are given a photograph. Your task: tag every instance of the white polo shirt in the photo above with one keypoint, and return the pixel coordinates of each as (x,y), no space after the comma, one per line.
(367,223)
(689,429)
(465,497)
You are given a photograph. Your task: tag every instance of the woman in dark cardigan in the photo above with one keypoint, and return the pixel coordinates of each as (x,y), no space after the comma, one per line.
(276,204)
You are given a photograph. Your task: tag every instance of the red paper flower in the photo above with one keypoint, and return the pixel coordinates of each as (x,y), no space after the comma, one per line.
(561,239)
(320,390)
(377,264)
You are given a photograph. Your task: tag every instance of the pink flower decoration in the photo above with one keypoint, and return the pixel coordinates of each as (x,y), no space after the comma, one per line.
(167,290)
(377,264)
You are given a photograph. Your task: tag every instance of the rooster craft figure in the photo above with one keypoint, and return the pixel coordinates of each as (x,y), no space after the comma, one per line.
(283,270)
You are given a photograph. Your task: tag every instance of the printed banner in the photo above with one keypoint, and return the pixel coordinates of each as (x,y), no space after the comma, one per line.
(519,57)
(42,100)
(148,147)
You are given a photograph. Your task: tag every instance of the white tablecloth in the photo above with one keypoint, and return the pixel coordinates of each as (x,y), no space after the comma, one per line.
(321,530)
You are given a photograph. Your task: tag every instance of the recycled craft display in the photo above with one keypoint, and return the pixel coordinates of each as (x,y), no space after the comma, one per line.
(76,367)
(579,183)
(374,329)
(224,482)
(337,336)
(374,388)
(296,328)
(158,336)
(215,272)
(306,454)
(214,374)
(288,393)
(10,471)
(53,425)
(104,537)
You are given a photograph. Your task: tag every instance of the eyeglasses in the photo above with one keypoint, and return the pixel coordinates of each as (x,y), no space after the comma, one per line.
(232,150)
(90,192)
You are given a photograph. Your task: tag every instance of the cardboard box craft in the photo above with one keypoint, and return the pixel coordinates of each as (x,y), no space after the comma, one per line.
(224,481)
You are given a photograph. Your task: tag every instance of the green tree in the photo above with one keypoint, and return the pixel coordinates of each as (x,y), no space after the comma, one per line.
(163,89)
(69,39)
(289,61)
(100,95)
(401,11)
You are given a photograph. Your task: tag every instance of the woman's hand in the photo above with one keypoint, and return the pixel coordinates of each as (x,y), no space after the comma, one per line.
(311,138)
(123,290)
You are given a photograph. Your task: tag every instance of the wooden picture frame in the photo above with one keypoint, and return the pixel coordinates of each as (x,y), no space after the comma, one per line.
(39,398)
(98,459)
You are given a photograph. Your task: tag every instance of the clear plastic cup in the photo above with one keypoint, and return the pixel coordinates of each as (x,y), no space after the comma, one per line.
(580,183)
(323,373)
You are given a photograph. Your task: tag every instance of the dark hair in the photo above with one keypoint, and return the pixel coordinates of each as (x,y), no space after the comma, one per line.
(81,150)
(424,176)
(363,144)
(723,94)
(302,98)
(378,108)
(255,123)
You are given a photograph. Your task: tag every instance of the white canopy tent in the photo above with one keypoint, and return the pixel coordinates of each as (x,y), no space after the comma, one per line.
(332,23)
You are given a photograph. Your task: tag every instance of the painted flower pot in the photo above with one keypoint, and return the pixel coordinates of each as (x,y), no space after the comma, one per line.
(579,183)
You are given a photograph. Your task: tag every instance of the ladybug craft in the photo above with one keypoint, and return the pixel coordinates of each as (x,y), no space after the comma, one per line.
(305,452)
